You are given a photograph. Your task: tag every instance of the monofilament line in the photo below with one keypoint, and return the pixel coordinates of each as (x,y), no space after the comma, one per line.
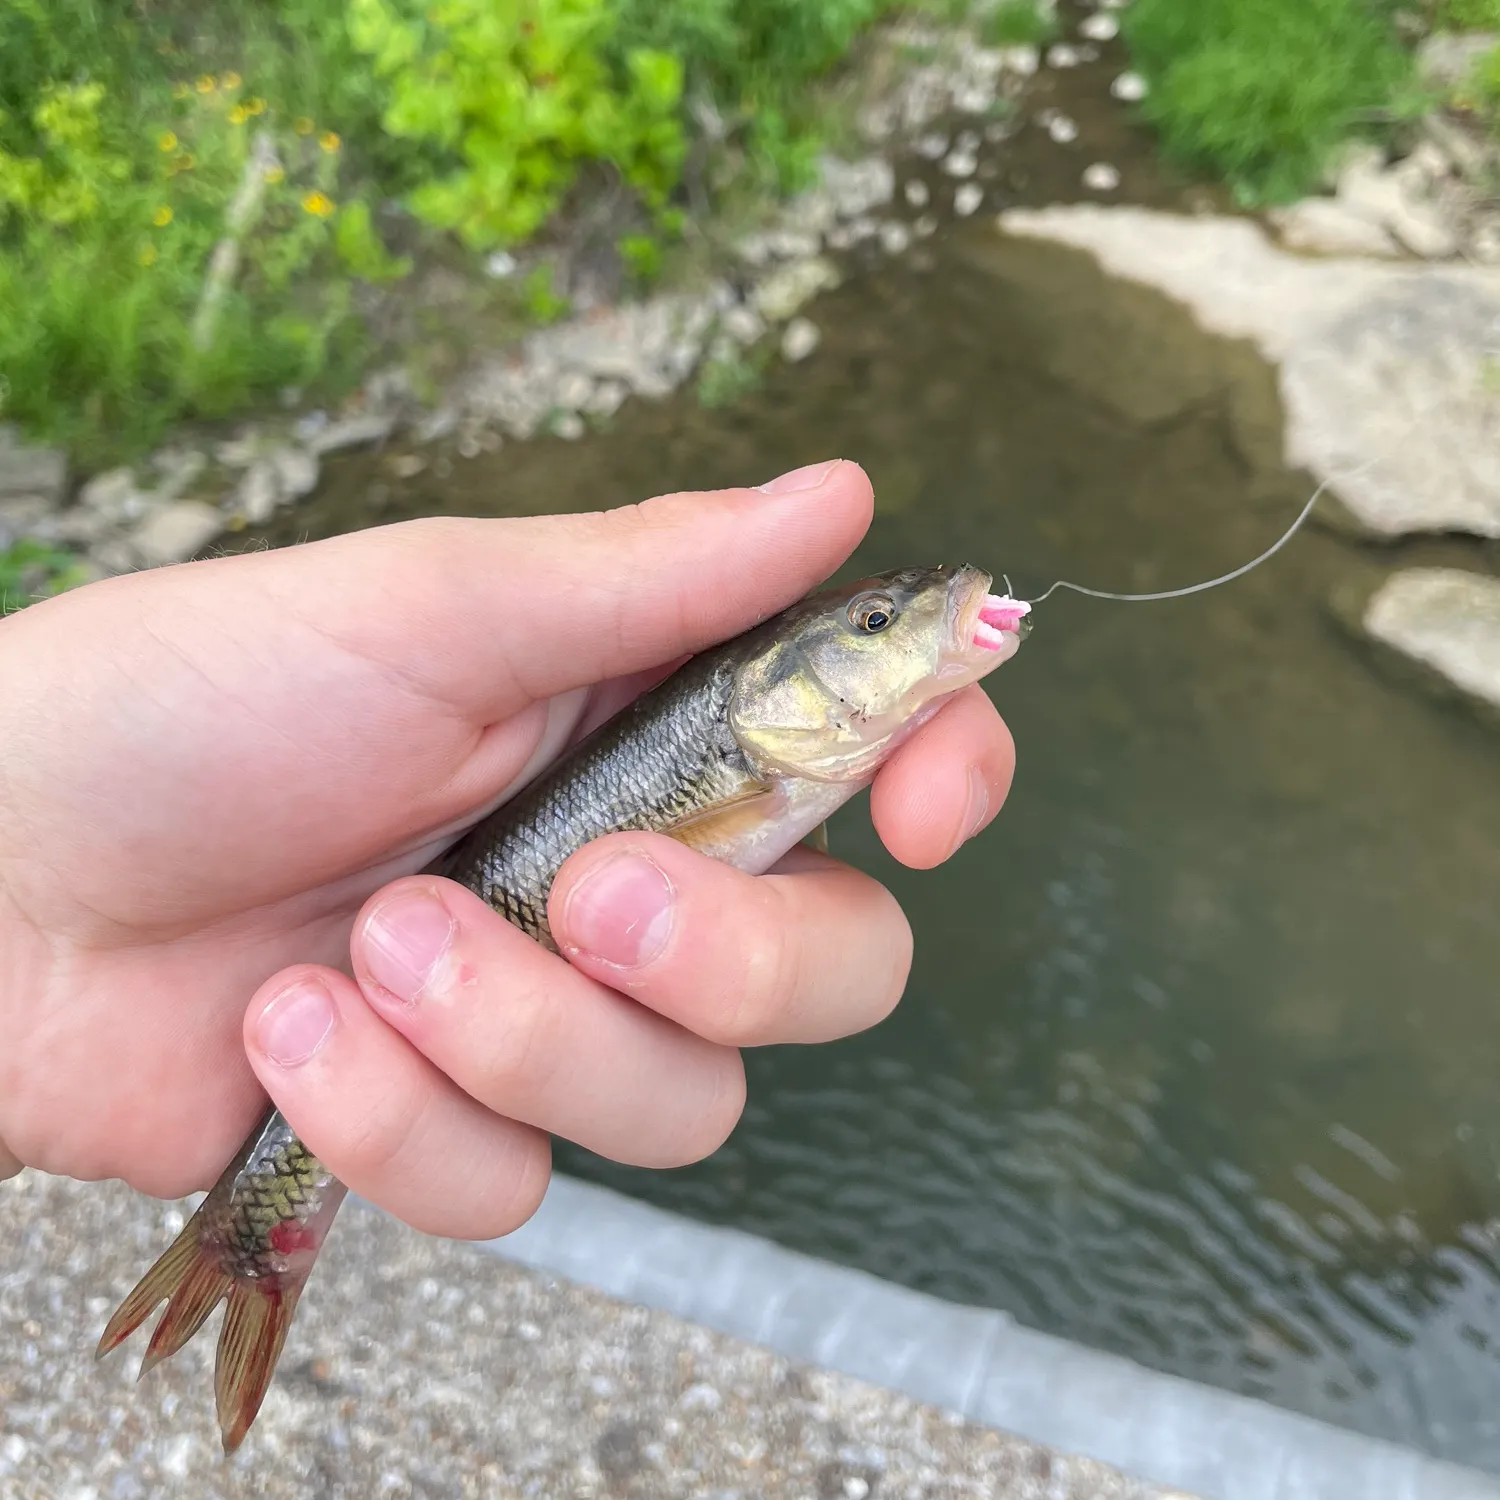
(1196,588)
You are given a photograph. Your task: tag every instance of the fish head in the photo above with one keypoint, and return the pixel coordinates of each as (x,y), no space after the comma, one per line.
(832,685)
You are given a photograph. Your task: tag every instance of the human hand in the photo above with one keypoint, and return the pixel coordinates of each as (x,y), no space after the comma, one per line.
(213,773)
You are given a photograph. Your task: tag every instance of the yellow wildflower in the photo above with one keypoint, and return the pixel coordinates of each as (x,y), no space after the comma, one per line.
(302,125)
(166,141)
(274,174)
(329,141)
(162,217)
(147,257)
(238,115)
(230,81)
(206,84)
(318,204)
(255,106)
(181,90)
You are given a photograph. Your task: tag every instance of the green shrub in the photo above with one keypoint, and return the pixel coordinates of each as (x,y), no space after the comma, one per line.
(1261,91)
(521,101)
(1469,15)
(1018,23)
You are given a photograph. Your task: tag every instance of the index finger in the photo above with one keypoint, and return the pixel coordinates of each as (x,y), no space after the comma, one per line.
(489,616)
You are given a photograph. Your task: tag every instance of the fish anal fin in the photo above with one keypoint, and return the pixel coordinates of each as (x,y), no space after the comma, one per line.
(818,838)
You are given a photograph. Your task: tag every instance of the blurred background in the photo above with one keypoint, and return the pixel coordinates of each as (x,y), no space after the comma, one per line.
(1195,1065)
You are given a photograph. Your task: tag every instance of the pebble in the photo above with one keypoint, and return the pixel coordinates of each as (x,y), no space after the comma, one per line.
(408,465)
(960,164)
(802,336)
(1100,27)
(1024,60)
(933,146)
(1062,55)
(257,494)
(917,193)
(1062,129)
(924,227)
(499,265)
(782,293)
(1130,87)
(573,390)
(894,237)
(569,426)
(1101,177)
(608,397)
(967,199)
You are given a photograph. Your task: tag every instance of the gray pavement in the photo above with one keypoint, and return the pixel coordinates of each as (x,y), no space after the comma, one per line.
(422,1368)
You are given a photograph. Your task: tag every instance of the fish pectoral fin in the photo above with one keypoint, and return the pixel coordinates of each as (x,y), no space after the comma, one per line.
(818,838)
(726,820)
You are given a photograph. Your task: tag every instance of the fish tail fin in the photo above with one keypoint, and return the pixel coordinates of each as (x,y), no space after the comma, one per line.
(253,1240)
(250,1343)
(162,1281)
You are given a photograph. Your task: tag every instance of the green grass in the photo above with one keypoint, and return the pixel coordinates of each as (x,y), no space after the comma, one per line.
(1469,15)
(30,571)
(1260,92)
(1018,23)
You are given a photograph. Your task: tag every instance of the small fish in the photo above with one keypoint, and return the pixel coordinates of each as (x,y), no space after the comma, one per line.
(742,753)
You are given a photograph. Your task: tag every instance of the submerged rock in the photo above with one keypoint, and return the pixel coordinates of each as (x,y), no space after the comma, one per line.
(1445,621)
(802,336)
(1387,370)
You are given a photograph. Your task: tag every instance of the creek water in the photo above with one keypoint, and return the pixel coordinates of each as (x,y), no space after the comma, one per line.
(1197,1061)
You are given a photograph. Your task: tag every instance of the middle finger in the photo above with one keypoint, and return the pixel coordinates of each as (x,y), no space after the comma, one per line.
(531,1038)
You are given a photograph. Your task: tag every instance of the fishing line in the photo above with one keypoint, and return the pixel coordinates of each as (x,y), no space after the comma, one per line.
(1195,588)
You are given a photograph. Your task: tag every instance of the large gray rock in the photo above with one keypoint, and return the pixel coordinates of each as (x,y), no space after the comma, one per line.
(1446,58)
(28,470)
(1447,622)
(173,533)
(1387,371)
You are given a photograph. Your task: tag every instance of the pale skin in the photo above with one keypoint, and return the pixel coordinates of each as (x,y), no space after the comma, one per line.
(218,780)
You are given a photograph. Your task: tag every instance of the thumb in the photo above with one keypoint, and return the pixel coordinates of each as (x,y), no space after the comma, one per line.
(498,613)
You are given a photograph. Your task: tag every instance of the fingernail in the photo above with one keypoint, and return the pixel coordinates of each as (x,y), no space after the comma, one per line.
(405,940)
(978,808)
(807,478)
(621,912)
(296,1023)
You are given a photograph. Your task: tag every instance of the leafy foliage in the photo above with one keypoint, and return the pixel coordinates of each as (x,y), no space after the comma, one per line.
(1019,23)
(523,97)
(1261,91)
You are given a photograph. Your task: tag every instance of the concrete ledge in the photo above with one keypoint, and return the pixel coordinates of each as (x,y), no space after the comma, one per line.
(969,1360)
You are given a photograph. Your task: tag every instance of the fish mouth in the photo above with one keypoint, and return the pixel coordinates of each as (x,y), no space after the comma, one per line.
(986,628)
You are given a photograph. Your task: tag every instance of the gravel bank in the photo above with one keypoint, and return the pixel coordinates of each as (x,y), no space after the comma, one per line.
(485,1380)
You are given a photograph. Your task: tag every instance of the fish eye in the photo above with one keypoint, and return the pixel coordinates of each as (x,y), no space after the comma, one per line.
(871,613)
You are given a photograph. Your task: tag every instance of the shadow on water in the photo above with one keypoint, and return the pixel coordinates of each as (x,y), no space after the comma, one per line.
(1193,1064)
